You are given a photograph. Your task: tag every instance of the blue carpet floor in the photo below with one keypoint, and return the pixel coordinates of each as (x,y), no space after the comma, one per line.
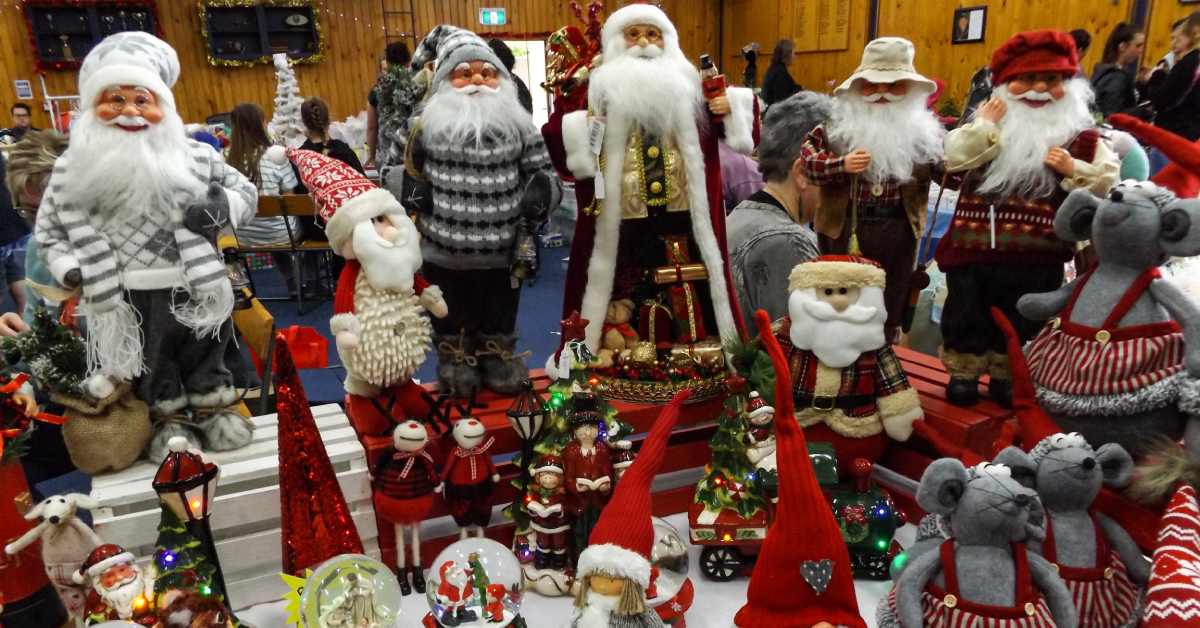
(537,323)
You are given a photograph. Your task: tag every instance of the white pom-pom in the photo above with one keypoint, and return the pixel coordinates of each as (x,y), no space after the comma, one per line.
(276,155)
(98,386)
(178,444)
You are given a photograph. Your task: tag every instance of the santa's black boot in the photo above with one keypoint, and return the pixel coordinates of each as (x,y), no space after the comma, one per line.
(418,579)
(962,392)
(964,369)
(457,370)
(503,369)
(402,578)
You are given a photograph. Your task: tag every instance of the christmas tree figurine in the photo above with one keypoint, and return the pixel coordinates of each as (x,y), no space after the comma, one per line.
(729,478)
(285,125)
(180,558)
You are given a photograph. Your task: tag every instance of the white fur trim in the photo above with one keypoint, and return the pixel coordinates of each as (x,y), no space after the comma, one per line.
(111,561)
(602,264)
(219,398)
(345,322)
(62,265)
(614,560)
(118,74)
(739,124)
(171,406)
(580,160)
(899,426)
(357,385)
(240,212)
(98,386)
(363,207)
(614,26)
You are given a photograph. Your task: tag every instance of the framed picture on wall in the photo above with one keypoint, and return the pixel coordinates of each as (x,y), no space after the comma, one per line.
(970,24)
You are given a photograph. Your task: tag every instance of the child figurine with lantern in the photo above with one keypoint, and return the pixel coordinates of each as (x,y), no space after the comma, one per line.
(587,467)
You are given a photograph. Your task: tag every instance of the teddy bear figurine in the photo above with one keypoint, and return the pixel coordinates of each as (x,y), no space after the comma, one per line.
(617,334)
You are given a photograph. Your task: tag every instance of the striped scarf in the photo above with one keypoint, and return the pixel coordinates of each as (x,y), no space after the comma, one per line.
(114,339)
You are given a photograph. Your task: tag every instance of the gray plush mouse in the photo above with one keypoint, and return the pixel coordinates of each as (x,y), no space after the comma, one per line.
(1120,360)
(983,575)
(1096,558)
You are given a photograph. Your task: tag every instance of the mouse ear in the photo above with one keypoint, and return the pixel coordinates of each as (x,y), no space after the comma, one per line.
(1073,220)
(1024,469)
(942,486)
(1116,464)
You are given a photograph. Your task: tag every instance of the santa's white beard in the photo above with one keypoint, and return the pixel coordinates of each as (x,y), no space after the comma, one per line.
(658,91)
(388,265)
(125,173)
(474,115)
(597,612)
(1028,133)
(120,597)
(837,338)
(900,135)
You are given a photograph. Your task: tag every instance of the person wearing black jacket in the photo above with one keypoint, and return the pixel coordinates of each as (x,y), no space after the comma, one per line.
(505,54)
(778,83)
(1114,84)
(1175,93)
(315,115)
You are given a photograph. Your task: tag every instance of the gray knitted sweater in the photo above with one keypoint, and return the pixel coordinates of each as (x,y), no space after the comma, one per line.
(476,200)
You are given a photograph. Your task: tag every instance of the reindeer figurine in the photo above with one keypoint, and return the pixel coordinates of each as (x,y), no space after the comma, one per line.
(66,543)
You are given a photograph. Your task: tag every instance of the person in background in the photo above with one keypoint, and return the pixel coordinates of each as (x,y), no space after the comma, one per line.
(22,117)
(505,54)
(767,233)
(29,164)
(740,177)
(1083,41)
(315,115)
(750,73)
(14,234)
(1173,92)
(1115,86)
(396,58)
(778,83)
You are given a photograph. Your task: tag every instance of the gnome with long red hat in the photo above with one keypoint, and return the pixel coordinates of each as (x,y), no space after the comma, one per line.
(1173,594)
(379,319)
(803,576)
(613,573)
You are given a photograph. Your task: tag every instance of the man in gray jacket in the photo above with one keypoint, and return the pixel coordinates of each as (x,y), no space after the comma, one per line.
(767,232)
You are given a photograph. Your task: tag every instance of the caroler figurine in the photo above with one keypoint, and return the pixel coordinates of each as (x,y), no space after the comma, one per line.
(469,477)
(587,468)
(548,512)
(403,485)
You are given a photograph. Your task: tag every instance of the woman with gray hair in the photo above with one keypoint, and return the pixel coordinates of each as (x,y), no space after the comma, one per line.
(767,232)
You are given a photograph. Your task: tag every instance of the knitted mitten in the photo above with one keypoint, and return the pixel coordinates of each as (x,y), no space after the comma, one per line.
(503,369)
(457,371)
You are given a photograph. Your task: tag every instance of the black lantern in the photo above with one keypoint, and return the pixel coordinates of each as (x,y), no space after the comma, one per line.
(527,414)
(187,483)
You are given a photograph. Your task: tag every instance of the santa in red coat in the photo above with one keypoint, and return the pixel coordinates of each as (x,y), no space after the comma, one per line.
(655,134)
(379,322)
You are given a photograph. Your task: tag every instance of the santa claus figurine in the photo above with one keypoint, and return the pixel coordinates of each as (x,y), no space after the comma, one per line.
(1025,149)
(614,571)
(130,219)
(403,485)
(588,468)
(847,384)
(547,508)
(120,590)
(469,477)
(872,161)
(645,161)
(487,184)
(760,435)
(454,593)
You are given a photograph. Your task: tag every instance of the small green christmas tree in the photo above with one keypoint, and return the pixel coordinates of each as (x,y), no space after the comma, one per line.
(729,480)
(479,577)
(180,558)
(55,357)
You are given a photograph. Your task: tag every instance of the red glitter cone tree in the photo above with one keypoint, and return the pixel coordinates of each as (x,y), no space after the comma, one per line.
(315,521)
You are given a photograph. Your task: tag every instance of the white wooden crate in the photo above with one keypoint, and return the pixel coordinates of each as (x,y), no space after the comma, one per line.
(245,513)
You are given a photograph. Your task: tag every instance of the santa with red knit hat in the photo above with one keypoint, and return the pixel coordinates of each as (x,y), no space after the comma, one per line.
(1173,593)
(379,319)
(803,575)
(614,571)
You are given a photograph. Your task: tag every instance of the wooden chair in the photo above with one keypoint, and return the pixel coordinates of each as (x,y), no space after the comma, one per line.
(257,327)
(298,206)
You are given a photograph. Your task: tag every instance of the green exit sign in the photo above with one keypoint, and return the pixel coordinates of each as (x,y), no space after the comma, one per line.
(493,16)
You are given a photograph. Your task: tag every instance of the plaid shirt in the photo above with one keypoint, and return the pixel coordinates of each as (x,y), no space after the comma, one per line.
(823,167)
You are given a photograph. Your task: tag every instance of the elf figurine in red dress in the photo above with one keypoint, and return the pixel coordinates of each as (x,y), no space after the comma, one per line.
(469,477)
(547,509)
(588,468)
(403,486)
(494,609)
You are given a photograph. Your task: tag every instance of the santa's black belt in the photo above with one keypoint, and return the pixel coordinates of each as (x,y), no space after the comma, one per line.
(868,212)
(825,403)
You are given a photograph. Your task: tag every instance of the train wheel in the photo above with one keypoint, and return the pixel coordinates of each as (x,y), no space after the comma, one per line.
(721,564)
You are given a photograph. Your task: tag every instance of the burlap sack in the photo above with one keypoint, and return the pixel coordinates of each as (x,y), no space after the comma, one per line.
(108,435)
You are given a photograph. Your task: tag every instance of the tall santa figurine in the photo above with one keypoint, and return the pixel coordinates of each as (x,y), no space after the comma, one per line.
(872,161)
(644,160)
(130,219)
(379,324)
(1025,150)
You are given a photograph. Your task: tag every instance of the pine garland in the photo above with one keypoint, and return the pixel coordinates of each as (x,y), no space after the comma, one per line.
(54,356)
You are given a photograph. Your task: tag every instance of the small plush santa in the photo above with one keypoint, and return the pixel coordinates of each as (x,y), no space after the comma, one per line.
(614,571)
(379,320)
(548,512)
(847,384)
(803,578)
(760,433)
(1173,593)
(403,485)
(119,588)
(469,476)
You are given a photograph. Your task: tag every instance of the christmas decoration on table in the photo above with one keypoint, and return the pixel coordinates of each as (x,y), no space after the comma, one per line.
(1121,313)
(549,512)
(315,523)
(570,52)
(403,485)
(379,322)
(760,433)
(474,583)
(671,592)
(1173,593)
(471,240)
(349,590)
(803,576)
(619,335)
(27,597)
(18,410)
(872,162)
(846,381)
(1182,174)
(587,467)
(121,589)
(154,290)
(651,151)
(66,541)
(188,588)
(614,572)
(469,477)
(1014,164)
(984,572)
(285,126)
(102,434)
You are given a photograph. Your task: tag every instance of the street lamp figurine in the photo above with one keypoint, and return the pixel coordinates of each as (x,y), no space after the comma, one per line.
(186,483)
(527,414)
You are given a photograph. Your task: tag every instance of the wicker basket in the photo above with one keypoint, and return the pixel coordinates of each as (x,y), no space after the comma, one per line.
(636,391)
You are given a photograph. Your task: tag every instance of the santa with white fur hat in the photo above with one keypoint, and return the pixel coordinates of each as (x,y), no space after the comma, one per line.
(120,588)
(645,163)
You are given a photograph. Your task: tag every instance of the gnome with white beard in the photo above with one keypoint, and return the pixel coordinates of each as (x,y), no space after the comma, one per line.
(379,322)
(1025,150)
(130,220)
(847,384)
(873,162)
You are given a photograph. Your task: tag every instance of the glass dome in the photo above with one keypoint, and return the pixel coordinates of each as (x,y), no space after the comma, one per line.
(475,582)
(353,589)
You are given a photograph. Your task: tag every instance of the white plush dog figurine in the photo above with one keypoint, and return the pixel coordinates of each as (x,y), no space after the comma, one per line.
(66,542)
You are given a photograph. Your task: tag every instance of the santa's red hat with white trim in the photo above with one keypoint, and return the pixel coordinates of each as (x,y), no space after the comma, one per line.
(803,575)
(102,558)
(620,544)
(1173,592)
